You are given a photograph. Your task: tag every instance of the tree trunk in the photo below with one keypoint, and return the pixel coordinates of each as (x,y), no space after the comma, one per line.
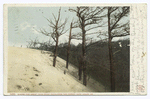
(112,74)
(83,53)
(83,61)
(68,49)
(55,52)
(80,67)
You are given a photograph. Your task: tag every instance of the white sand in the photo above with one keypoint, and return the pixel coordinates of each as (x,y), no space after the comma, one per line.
(31,71)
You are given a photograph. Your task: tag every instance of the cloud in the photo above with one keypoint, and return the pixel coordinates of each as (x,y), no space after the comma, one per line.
(24,26)
(34,29)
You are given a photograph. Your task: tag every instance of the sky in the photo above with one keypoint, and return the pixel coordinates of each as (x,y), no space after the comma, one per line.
(22,22)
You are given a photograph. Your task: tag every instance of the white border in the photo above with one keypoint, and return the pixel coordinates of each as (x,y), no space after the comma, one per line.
(66,1)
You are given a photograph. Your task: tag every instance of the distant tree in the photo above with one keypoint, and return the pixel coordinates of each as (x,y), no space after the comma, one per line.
(88,18)
(116,29)
(58,29)
(45,45)
(32,43)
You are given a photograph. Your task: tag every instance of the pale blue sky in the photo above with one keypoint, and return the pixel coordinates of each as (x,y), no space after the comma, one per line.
(23,20)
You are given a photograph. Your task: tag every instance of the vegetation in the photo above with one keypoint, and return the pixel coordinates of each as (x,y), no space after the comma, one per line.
(97,60)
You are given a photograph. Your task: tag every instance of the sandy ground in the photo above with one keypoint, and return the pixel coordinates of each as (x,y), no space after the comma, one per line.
(31,71)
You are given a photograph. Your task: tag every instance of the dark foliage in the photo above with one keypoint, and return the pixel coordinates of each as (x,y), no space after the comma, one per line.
(97,62)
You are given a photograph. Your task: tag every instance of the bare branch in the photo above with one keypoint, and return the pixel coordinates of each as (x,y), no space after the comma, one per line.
(76,38)
(50,21)
(121,35)
(43,31)
(84,8)
(54,37)
(63,24)
(58,16)
(113,9)
(95,14)
(75,24)
(123,25)
(64,32)
(102,25)
(92,33)
(72,10)
(120,15)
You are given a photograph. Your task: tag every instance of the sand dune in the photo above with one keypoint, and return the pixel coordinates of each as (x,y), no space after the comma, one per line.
(31,71)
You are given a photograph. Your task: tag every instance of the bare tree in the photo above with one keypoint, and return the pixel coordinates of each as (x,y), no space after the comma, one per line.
(58,29)
(72,25)
(116,29)
(68,48)
(87,17)
(32,43)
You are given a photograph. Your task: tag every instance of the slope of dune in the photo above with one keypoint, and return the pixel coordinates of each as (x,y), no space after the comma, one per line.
(31,71)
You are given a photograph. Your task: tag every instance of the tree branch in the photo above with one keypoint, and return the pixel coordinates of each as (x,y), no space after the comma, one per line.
(124,12)
(120,35)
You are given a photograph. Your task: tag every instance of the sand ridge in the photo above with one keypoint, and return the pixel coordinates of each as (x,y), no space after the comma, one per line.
(31,71)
